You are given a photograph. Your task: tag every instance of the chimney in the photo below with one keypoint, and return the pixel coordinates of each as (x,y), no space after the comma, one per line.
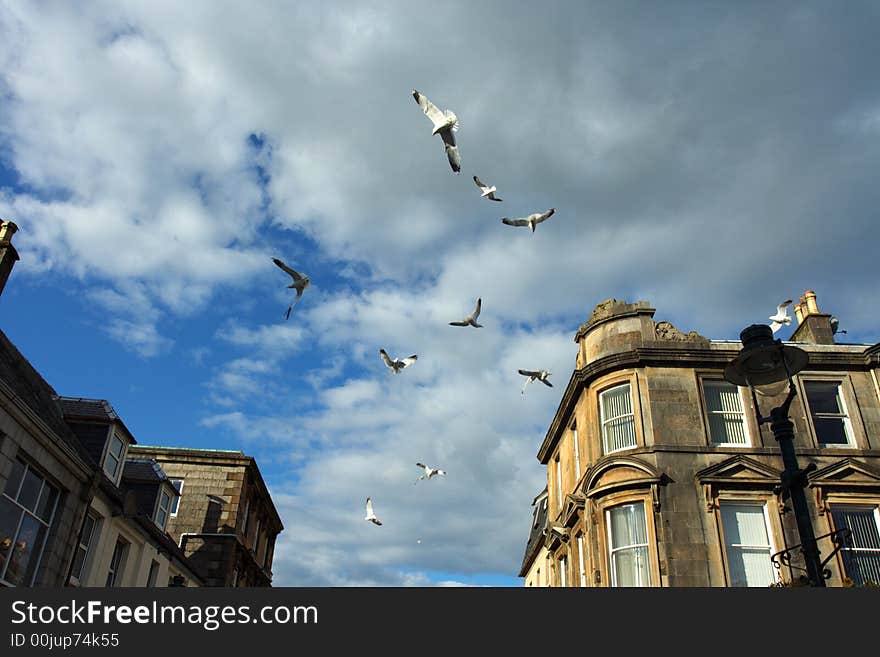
(813,326)
(8,254)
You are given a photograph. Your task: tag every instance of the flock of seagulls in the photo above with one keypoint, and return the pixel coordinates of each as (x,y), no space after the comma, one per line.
(444,123)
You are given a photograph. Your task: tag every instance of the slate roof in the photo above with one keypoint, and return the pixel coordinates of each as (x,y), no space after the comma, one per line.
(144,470)
(92,409)
(536,534)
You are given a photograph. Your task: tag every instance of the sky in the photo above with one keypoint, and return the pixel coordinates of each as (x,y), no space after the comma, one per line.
(713,159)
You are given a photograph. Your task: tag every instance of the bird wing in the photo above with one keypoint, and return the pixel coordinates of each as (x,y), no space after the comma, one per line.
(458,323)
(775,326)
(386,358)
(527,382)
(476,312)
(492,197)
(780,309)
(430,109)
(545,216)
(527,373)
(480,184)
(422,466)
(546,383)
(295,274)
(299,293)
(452,153)
(409,361)
(370,508)
(514,222)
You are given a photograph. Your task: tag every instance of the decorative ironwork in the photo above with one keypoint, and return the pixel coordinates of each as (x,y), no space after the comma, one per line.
(838,538)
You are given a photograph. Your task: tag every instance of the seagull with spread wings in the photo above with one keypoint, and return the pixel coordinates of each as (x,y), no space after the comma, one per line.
(531,221)
(370,515)
(781,318)
(539,375)
(488,192)
(429,472)
(470,320)
(835,326)
(300,283)
(398,363)
(445,124)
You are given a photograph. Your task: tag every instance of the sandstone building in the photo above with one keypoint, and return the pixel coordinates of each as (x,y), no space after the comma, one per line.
(660,475)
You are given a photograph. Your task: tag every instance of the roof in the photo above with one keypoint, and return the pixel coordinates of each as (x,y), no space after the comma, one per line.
(96,410)
(536,534)
(144,470)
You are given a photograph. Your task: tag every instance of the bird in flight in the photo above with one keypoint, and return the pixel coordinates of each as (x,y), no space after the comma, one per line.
(397,364)
(470,320)
(429,472)
(531,221)
(488,192)
(781,318)
(540,375)
(300,283)
(445,124)
(370,515)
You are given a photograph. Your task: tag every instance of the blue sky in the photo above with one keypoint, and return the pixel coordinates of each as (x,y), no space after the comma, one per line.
(711,160)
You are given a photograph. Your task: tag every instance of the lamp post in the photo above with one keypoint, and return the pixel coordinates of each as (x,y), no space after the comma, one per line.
(762,365)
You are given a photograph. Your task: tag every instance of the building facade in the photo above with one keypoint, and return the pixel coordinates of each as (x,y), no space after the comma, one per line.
(224,520)
(659,473)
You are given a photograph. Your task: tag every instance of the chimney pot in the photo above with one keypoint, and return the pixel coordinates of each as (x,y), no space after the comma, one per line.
(812,307)
(799,312)
(7,230)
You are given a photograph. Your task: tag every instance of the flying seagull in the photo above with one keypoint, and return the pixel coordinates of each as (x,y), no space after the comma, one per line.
(429,472)
(834,324)
(300,283)
(370,515)
(540,375)
(781,318)
(446,124)
(470,320)
(488,192)
(397,364)
(531,221)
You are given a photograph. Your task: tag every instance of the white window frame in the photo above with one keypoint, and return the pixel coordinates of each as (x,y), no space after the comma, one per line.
(860,507)
(580,542)
(257,538)
(108,454)
(612,549)
(577,456)
(559,480)
(244,524)
(562,568)
(153,574)
(844,415)
(86,547)
(741,412)
(771,546)
(166,510)
(175,503)
(117,565)
(604,421)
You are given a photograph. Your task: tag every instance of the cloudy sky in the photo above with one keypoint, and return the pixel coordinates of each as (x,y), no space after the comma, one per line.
(711,158)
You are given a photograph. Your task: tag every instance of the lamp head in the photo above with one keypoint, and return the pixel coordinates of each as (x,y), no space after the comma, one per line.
(764,364)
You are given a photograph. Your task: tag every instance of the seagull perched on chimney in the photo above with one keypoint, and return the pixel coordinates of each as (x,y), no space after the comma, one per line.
(834,326)
(300,283)
(488,192)
(470,320)
(370,515)
(540,375)
(445,124)
(429,472)
(397,364)
(531,221)
(781,318)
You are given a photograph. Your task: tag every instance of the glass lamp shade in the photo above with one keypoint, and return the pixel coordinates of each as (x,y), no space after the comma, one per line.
(764,364)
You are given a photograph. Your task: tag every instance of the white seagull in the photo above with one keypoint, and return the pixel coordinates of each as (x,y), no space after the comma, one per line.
(370,515)
(397,364)
(781,318)
(540,375)
(470,320)
(446,124)
(429,472)
(835,323)
(488,192)
(531,221)
(300,283)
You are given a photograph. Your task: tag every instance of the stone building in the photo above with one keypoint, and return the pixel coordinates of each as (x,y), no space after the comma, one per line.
(659,473)
(224,519)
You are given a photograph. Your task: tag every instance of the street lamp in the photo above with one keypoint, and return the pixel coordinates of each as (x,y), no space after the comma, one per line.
(762,365)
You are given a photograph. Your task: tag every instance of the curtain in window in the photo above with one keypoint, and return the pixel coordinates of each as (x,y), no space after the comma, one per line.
(861,556)
(725,413)
(747,543)
(618,426)
(629,545)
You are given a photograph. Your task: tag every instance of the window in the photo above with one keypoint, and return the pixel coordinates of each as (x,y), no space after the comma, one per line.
(82,551)
(235,577)
(27,507)
(558,482)
(724,407)
(618,423)
(577,456)
(117,563)
(154,574)
(562,573)
(830,420)
(178,486)
(583,571)
(628,545)
(861,556)
(114,456)
(163,507)
(257,537)
(747,544)
(244,523)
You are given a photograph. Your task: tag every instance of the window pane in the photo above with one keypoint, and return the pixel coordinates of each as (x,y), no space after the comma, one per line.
(861,556)
(10,515)
(116,447)
(160,518)
(14,479)
(823,397)
(46,503)
(747,544)
(631,567)
(25,550)
(750,567)
(178,486)
(628,525)
(724,429)
(30,489)
(830,430)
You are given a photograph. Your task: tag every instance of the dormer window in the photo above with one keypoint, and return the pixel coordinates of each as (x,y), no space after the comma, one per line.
(113,457)
(163,507)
